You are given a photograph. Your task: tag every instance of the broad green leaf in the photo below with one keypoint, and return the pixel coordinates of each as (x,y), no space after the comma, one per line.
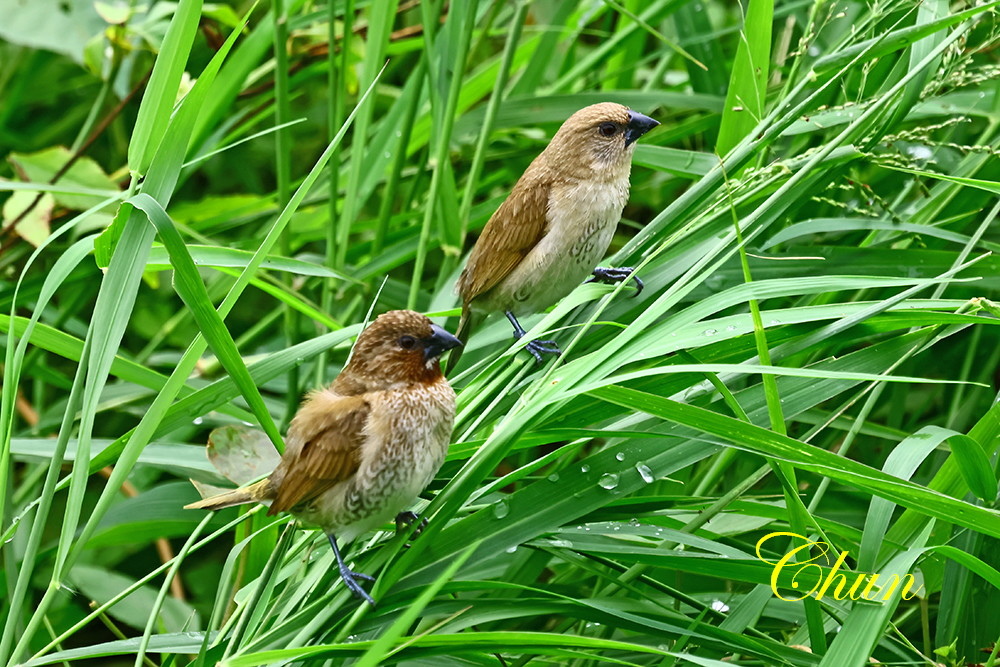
(99,584)
(33,225)
(975,466)
(83,175)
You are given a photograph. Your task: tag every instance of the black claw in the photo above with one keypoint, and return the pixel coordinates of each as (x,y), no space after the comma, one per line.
(536,347)
(349,576)
(638,286)
(406,519)
(539,347)
(616,276)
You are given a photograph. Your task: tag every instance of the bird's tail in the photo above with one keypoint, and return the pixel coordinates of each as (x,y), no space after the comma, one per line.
(247,494)
(464,329)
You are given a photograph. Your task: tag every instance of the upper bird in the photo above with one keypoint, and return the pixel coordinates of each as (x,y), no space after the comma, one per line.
(557,223)
(359,452)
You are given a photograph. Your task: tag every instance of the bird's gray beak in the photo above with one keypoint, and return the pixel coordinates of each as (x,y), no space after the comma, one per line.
(439,342)
(638,125)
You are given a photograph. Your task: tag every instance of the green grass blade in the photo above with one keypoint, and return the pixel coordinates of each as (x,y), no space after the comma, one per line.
(747,90)
(164,82)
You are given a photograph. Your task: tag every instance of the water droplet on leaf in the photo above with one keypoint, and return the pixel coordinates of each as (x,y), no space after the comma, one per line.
(645,473)
(608,481)
(501,509)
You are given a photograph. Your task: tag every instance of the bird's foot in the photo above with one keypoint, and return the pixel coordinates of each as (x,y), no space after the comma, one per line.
(351,577)
(608,275)
(536,347)
(539,347)
(406,519)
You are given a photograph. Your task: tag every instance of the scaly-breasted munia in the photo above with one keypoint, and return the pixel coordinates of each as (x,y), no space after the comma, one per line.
(557,223)
(359,452)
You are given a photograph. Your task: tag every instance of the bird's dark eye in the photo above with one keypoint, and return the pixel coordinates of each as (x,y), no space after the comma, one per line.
(407,342)
(607,129)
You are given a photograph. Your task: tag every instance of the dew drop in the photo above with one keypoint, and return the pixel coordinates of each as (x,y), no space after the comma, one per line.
(197,420)
(710,332)
(565,544)
(719,605)
(501,509)
(584,468)
(645,473)
(512,549)
(608,481)
(554,477)
(731,327)
(620,456)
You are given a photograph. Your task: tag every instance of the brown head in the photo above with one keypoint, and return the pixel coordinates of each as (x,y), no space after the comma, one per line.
(597,141)
(399,348)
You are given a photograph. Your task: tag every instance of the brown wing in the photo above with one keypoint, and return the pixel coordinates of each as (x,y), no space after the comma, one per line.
(324,447)
(516,227)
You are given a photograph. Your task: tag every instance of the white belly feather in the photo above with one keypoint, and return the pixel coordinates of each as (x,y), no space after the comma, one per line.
(581,223)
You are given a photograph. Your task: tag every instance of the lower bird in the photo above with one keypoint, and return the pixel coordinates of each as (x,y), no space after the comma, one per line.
(557,223)
(359,452)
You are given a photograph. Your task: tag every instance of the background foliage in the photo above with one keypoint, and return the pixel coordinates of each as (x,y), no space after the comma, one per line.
(815,351)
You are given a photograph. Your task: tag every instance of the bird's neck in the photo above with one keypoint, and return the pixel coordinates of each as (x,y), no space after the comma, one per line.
(354,381)
(557,166)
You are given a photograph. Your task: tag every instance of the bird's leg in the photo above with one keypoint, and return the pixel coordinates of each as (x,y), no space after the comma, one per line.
(406,519)
(607,275)
(349,576)
(536,347)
